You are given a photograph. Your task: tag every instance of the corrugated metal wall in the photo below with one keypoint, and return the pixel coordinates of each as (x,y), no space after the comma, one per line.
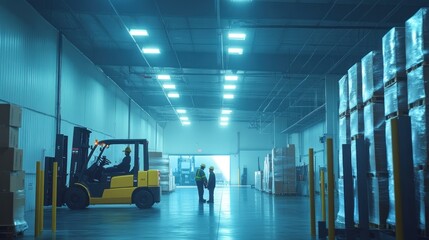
(28,66)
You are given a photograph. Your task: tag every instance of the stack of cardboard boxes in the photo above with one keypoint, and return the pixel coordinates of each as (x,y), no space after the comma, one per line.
(12,195)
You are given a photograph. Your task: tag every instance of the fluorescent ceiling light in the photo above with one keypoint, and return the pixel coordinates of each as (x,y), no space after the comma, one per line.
(224,119)
(163,77)
(186,123)
(229,87)
(181,111)
(139,32)
(184,119)
(226,111)
(224,123)
(169,86)
(237,36)
(231,78)
(151,50)
(228,96)
(173,95)
(235,51)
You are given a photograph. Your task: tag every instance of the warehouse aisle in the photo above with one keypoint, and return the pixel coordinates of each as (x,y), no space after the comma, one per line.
(238,213)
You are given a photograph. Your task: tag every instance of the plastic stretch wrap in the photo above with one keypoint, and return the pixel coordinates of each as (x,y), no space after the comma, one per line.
(395,98)
(343,88)
(417,38)
(356,122)
(355,85)
(418,87)
(378,200)
(391,218)
(372,75)
(374,133)
(341,210)
(344,138)
(267,175)
(422,190)
(419,134)
(353,158)
(283,169)
(356,202)
(393,53)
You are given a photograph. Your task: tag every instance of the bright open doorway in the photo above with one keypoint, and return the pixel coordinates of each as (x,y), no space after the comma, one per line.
(185,166)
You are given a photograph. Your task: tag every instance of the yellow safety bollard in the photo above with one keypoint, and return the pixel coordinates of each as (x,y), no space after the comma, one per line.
(399,228)
(54,196)
(330,158)
(37,210)
(322,194)
(311,189)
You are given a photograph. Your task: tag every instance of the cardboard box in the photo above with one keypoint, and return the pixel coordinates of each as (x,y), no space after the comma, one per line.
(8,136)
(12,205)
(11,159)
(12,181)
(10,115)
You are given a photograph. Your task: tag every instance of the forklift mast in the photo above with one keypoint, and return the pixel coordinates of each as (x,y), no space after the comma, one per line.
(79,156)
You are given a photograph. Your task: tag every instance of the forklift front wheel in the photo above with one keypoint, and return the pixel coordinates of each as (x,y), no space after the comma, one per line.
(76,198)
(143,199)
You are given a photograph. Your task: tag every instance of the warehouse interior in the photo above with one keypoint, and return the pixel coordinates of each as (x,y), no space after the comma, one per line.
(281,97)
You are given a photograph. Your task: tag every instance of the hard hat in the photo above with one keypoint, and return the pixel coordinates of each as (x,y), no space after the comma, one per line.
(211,168)
(203,165)
(127,150)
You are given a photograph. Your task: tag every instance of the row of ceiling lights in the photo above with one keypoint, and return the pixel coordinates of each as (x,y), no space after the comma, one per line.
(229,88)
(169,86)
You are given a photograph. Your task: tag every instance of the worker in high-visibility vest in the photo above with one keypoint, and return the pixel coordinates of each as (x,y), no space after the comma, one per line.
(201,180)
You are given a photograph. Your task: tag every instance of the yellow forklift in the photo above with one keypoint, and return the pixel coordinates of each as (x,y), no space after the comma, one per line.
(90,182)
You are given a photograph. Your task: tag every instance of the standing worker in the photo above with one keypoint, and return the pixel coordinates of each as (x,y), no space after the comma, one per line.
(211,184)
(201,180)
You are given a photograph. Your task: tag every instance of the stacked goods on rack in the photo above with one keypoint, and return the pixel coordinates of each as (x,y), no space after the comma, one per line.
(417,56)
(267,174)
(395,97)
(12,195)
(284,171)
(158,162)
(344,138)
(258,180)
(356,123)
(373,98)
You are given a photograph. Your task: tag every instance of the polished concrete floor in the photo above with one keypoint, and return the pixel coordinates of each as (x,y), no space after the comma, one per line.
(238,213)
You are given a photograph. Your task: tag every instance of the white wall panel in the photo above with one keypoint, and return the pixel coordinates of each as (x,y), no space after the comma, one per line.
(36,138)
(121,116)
(28,58)
(87,95)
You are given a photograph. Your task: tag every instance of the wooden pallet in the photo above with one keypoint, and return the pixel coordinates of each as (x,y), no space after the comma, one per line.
(357,136)
(396,114)
(377,174)
(414,67)
(374,99)
(417,103)
(359,106)
(398,78)
(344,114)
